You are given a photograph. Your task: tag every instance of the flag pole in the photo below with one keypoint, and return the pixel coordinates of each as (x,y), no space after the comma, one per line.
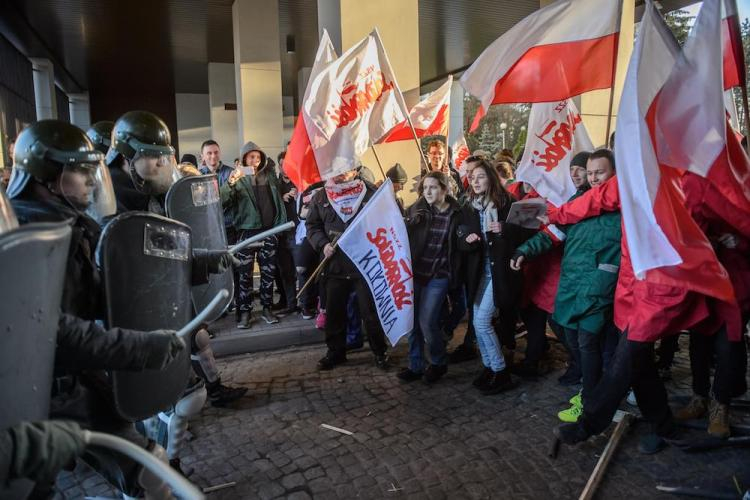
(746,112)
(614,76)
(317,270)
(419,147)
(377,159)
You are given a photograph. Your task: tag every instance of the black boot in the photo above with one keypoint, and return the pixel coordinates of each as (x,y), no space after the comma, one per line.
(221,395)
(498,382)
(330,360)
(481,380)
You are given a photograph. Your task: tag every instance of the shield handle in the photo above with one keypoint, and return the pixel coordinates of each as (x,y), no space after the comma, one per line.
(207,312)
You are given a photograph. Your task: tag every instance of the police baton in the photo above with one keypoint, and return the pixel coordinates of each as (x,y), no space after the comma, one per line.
(206,313)
(260,236)
(181,487)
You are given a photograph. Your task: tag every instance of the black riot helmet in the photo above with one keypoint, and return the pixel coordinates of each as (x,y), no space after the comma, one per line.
(100,134)
(61,157)
(143,139)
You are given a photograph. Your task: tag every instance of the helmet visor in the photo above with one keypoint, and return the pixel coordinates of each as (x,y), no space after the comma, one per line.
(153,173)
(8,219)
(87,187)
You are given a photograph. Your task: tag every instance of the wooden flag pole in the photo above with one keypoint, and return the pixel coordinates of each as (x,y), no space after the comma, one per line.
(614,77)
(377,159)
(419,147)
(318,269)
(746,112)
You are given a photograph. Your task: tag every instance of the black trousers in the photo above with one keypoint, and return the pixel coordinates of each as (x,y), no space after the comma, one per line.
(535,320)
(633,365)
(729,374)
(286,272)
(338,290)
(505,326)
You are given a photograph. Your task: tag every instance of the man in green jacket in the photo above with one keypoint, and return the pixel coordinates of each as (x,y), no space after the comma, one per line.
(584,302)
(253,192)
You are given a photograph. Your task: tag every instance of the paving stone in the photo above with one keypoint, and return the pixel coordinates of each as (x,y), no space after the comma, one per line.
(437,442)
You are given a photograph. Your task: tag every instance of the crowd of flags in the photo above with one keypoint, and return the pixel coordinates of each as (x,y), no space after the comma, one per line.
(671,120)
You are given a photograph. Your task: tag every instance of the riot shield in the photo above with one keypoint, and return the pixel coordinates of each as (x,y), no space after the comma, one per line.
(195,201)
(146,266)
(32,265)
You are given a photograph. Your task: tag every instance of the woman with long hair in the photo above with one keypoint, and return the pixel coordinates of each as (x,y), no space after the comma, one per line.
(488,242)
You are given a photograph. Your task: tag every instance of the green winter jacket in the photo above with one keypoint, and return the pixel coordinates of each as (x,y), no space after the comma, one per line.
(590,265)
(241,198)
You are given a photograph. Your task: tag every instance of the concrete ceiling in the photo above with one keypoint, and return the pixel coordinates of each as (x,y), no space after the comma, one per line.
(161,47)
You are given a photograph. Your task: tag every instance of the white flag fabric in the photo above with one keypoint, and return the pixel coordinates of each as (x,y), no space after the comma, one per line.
(460,153)
(555,135)
(377,243)
(351,102)
(429,116)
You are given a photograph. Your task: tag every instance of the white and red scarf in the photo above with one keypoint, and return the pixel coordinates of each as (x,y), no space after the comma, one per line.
(346,197)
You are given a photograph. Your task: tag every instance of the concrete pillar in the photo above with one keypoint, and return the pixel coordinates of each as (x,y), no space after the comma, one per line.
(193,123)
(223,109)
(347,22)
(594,105)
(80,114)
(44,88)
(257,65)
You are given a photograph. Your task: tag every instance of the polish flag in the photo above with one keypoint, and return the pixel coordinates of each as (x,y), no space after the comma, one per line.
(666,245)
(692,129)
(565,49)
(460,152)
(733,56)
(350,103)
(299,163)
(429,116)
(555,135)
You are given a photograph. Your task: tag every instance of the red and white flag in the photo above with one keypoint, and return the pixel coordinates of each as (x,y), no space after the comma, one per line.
(555,135)
(300,164)
(666,245)
(562,50)
(692,129)
(733,56)
(460,152)
(377,243)
(429,116)
(350,102)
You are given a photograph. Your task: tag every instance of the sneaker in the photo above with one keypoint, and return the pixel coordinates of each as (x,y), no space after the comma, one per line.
(308,313)
(696,408)
(268,316)
(406,375)
(320,321)
(462,353)
(631,398)
(433,373)
(287,311)
(481,380)
(382,361)
(498,382)
(221,395)
(571,434)
(576,400)
(718,420)
(330,360)
(571,415)
(245,321)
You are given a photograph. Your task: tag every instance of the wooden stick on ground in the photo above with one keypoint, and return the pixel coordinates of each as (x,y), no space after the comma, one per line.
(609,451)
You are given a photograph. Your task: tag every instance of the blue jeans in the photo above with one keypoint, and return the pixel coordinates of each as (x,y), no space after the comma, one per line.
(428,302)
(484,310)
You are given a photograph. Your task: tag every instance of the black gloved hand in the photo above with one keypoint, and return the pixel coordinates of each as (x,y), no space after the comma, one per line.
(216,261)
(162,347)
(42,449)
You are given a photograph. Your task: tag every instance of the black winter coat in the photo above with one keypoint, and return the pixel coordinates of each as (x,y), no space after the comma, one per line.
(324,225)
(506,283)
(418,221)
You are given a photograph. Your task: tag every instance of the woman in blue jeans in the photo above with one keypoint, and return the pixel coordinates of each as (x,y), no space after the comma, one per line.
(487,243)
(431,224)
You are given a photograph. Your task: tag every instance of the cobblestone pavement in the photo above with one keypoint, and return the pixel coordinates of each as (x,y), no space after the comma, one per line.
(413,441)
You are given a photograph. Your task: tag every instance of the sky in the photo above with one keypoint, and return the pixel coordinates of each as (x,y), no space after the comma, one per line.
(742,5)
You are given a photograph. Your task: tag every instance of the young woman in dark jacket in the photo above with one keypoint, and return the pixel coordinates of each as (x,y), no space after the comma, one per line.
(431,223)
(488,243)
